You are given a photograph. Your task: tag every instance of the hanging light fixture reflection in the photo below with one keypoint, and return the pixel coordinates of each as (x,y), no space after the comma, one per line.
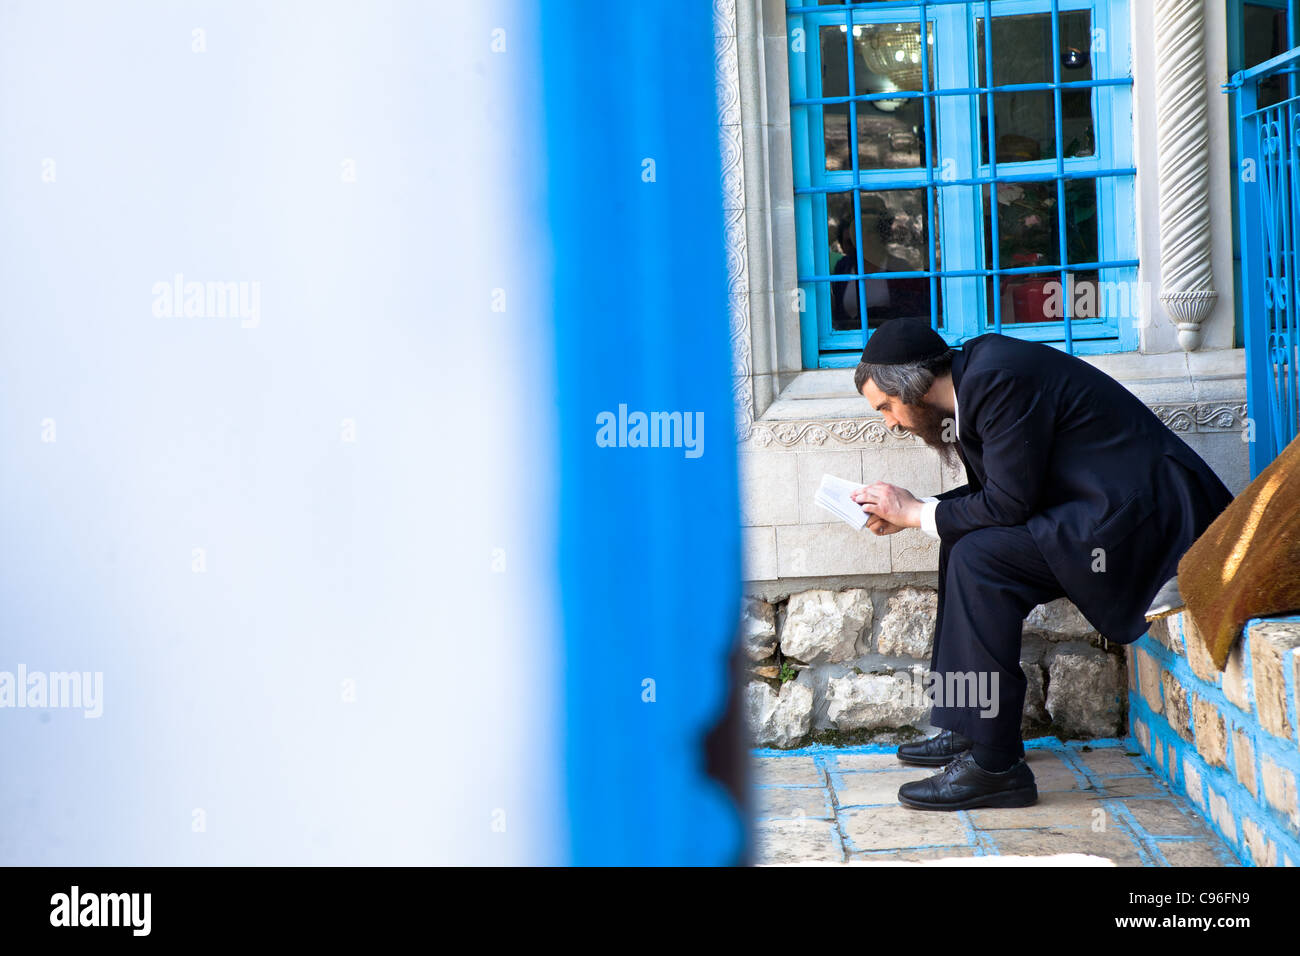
(894,51)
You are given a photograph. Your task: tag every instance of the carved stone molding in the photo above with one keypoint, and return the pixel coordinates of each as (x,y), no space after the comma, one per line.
(1212,416)
(1183,156)
(848,431)
(1178,416)
(727,89)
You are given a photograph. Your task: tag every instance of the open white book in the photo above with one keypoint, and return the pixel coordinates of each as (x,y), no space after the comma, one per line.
(833,495)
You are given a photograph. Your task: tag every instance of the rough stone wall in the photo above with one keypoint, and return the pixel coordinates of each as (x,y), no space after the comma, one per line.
(847,665)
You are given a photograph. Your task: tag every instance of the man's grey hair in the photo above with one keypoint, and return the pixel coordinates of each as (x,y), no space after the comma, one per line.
(908,383)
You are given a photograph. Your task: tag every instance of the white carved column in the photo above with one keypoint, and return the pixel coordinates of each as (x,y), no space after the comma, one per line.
(1182,143)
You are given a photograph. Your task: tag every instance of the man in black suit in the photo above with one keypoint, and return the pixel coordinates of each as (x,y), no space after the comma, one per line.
(1075,488)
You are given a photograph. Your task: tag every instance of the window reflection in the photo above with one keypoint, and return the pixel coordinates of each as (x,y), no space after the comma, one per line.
(887,58)
(895,235)
(1024,120)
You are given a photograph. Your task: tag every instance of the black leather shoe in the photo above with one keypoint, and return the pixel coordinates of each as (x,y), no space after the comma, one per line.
(964,785)
(936,751)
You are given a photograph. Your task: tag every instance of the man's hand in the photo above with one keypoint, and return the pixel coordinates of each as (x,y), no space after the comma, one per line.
(881,526)
(894,507)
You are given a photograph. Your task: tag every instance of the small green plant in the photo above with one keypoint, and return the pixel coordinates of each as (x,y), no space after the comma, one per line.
(787,672)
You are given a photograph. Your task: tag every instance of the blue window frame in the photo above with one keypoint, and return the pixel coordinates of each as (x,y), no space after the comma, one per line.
(927,185)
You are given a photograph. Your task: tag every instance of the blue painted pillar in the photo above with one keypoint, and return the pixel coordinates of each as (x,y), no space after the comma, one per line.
(649,536)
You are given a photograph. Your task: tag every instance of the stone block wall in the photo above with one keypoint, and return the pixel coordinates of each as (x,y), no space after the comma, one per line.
(1229,740)
(787,536)
(847,666)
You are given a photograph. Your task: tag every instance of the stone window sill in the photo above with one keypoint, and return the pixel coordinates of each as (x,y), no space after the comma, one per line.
(827,394)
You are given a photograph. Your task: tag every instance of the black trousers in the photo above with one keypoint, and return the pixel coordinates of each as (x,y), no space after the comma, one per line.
(989,581)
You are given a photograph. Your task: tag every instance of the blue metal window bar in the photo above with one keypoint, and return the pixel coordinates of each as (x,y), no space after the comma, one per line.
(1268,222)
(811,179)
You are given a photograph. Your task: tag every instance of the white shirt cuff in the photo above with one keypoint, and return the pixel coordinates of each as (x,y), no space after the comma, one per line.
(927,515)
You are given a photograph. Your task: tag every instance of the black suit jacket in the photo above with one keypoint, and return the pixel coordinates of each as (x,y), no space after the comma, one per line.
(1111,495)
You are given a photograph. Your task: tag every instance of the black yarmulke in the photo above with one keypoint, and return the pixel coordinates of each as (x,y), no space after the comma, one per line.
(900,341)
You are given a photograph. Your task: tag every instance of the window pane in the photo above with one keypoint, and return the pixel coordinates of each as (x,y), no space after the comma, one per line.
(887,58)
(1264,33)
(1027,225)
(1025,298)
(1024,120)
(835,82)
(1116,297)
(1081,221)
(844,261)
(1088,298)
(1027,231)
(1042,298)
(895,234)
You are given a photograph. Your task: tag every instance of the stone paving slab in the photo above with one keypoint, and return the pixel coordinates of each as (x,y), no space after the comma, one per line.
(1165,818)
(1055,808)
(799,841)
(793,803)
(900,828)
(876,788)
(1112,845)
(789,772)
(1099,804)
(914,856)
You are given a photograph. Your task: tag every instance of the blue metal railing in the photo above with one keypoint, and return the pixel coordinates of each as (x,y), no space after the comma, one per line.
(1268,134)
